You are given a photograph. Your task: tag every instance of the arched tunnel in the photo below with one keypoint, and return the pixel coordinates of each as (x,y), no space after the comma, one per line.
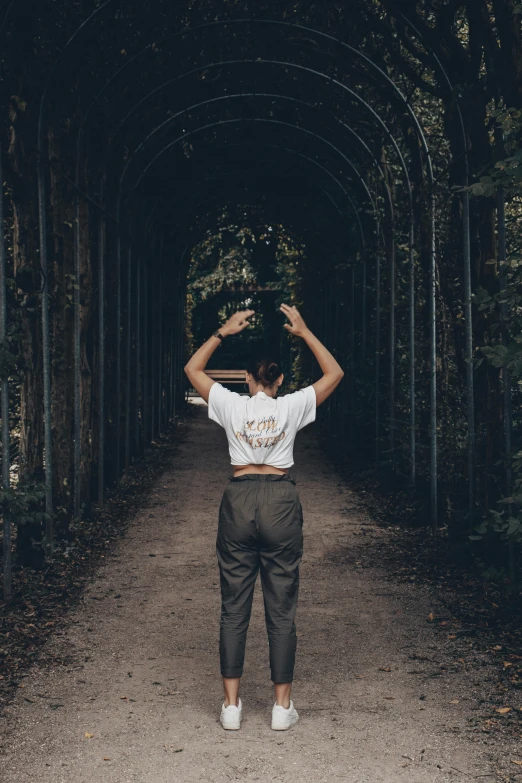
(335,153)
(166,164)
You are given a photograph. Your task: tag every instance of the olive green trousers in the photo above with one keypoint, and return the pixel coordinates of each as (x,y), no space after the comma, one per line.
(260,528)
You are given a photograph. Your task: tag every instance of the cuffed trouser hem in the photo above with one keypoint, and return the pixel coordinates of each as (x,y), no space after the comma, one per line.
(232,673)
(280,679)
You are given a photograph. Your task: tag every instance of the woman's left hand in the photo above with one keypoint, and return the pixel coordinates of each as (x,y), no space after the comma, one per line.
(237,322)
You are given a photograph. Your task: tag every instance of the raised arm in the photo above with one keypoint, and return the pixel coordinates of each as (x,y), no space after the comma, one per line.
(195,367)
(332,371)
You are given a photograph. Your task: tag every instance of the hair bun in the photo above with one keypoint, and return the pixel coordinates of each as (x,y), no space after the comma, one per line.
(272,371)
(264,370)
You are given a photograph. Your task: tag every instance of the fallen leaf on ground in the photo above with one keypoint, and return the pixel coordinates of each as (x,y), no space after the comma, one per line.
(384,669)
(454,701)
(88,735)
(503,710)
(106,758)
(514,761)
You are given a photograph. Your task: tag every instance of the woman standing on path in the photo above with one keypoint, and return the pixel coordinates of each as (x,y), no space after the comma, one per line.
(260,523)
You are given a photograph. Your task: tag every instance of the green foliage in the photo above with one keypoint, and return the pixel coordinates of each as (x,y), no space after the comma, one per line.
(24,503)
(505,335)
(229,262)
(508,527)
(506,173)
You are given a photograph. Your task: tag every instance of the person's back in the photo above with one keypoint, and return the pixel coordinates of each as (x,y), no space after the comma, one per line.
(261,429)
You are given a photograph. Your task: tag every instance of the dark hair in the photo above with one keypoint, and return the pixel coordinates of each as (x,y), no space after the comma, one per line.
(264,370)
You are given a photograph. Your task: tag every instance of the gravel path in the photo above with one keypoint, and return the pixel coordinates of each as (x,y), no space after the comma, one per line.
(138,694)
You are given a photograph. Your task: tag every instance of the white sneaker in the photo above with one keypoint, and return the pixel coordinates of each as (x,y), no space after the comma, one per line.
(283,719)
(230,717)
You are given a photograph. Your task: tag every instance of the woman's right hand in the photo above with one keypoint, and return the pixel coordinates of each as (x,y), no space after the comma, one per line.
(297,325)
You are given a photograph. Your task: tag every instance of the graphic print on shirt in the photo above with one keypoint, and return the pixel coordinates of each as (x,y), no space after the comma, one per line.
(262,433)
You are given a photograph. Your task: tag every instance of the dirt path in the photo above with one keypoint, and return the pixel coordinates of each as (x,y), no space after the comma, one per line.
(141,670)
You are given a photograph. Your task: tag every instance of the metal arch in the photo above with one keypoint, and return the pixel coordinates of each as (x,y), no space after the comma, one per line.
(278,96)
(127,415)
(392,324)
(382,74)
(251,21)
(268,95)
(339,210)
(353,94)
(344,87)
(248,20)
(237,121)
(293,127)
(397,149)
(364,184)
(392,336)
(213,125)
(377,363)
(181,76)
(359,140)
(331,176)
(290,98)
(392,255)
(420,134)
(392,273)
(224,122)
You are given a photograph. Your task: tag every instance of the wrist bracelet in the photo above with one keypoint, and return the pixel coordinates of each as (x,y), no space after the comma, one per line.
(218,334)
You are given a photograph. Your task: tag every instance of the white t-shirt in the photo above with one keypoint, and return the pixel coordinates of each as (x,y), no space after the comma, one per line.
(261,429)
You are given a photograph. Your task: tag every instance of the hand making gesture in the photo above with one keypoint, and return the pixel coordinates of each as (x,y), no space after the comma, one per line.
(297,325)
(237,322)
